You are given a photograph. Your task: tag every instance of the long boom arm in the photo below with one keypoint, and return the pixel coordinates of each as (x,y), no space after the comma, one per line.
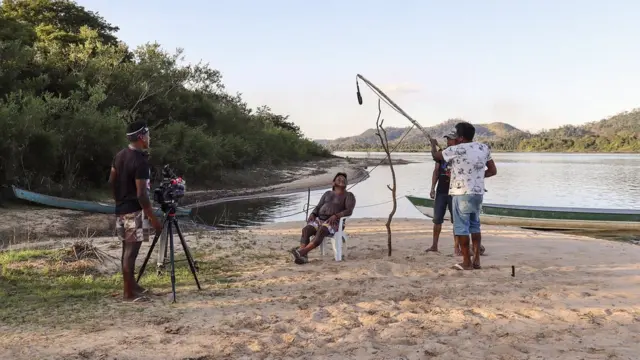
(390,102)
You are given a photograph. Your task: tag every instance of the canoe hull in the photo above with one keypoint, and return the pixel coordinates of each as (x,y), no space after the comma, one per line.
(78,205)
(546,217)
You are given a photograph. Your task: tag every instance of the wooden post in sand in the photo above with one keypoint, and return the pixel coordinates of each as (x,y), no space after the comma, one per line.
(308,203)
(382,134)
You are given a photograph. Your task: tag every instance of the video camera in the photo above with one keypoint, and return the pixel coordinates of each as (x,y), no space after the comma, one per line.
(170,189)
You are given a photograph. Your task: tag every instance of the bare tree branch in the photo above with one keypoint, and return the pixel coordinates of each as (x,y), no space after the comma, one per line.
(382,135)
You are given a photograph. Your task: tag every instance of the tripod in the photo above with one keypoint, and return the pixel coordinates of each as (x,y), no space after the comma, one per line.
(170,219)
(163,254)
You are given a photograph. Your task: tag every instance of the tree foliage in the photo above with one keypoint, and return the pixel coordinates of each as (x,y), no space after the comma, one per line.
(618,133)
(68,88)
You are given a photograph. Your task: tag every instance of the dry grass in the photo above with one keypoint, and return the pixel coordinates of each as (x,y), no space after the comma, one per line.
(83,250)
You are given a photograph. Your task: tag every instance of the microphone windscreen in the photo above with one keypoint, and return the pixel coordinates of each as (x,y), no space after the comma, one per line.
(359,98)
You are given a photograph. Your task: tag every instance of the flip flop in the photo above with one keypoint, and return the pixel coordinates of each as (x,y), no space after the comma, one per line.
(458,267)
(138,299)
(146,292)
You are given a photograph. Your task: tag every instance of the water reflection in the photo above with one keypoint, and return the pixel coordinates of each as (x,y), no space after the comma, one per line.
(247,212)
(567,180)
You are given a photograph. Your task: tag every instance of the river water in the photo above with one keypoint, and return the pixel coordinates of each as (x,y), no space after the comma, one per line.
(574,180)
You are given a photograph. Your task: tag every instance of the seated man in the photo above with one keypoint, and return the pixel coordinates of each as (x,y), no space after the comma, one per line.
(324,219)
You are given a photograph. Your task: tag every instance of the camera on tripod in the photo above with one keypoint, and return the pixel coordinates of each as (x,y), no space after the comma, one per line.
(170,189)
(167,194)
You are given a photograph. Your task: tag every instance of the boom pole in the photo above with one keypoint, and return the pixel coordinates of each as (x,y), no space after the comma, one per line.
(390,102)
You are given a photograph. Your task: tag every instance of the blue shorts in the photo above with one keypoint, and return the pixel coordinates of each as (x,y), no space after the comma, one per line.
(440,205)
(466,214)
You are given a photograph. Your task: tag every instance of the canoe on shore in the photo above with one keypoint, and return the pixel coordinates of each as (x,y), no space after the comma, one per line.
(551,218)
(78,205)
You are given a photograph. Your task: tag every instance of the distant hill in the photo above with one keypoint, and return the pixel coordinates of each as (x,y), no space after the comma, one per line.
(618,133)
(414,139)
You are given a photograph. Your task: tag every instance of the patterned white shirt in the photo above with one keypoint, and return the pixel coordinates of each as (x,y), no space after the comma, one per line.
(468,161)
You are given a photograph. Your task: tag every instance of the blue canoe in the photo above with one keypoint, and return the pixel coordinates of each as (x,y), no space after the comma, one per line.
(79,205)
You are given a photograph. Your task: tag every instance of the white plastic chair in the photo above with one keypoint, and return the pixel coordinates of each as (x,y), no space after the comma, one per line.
(339,247)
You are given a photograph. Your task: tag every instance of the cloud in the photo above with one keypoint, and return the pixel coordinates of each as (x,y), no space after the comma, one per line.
(401,88)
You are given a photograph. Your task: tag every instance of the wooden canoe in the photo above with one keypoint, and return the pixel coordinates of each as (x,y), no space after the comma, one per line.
(542,217)
(78,205)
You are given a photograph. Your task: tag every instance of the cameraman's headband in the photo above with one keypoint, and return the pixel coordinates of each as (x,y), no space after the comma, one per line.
(140,132)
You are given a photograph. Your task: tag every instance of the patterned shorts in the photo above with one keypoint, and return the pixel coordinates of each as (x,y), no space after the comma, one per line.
(130,227)
(317,223)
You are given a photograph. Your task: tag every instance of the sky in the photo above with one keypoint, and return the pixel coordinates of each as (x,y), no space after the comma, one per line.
(535,64)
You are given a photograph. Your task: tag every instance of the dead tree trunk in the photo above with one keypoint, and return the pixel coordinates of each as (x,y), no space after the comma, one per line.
(382,134)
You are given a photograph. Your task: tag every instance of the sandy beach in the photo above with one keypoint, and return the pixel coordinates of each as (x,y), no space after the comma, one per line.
(571,298)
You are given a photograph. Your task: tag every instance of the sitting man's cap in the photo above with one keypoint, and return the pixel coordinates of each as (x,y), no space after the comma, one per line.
(340,174)
(453,134)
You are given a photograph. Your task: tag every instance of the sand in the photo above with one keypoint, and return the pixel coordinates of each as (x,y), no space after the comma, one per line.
(571,298)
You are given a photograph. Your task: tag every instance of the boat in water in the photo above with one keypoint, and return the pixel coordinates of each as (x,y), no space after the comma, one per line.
(79,205)
(549,218)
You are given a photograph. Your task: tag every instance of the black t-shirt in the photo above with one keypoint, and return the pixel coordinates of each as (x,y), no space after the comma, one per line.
(130,165)
(444,177)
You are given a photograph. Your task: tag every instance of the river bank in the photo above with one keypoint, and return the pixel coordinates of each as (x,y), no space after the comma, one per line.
(30,223)
(571,297)
(314,175)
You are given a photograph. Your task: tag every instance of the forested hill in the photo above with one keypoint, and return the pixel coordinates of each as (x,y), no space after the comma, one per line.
(619,133)
(415,140)
(69,87)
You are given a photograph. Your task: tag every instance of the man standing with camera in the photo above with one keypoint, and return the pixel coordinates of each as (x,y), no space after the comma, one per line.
(130,182)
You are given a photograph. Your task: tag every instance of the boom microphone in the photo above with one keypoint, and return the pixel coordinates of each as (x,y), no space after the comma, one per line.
(358,93)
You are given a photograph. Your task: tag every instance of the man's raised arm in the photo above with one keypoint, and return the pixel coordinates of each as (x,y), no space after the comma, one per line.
(435,153)
(491,169)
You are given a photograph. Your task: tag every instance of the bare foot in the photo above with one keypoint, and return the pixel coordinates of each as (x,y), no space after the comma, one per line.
(475,262)
(432,249)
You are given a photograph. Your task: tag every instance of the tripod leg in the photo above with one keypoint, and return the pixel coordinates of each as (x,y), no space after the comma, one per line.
(166,249)
(162,250)
(192,265)
(146,259)
(171,259)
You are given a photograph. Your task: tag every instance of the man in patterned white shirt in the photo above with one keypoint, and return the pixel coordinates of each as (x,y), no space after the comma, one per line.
(468,160)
